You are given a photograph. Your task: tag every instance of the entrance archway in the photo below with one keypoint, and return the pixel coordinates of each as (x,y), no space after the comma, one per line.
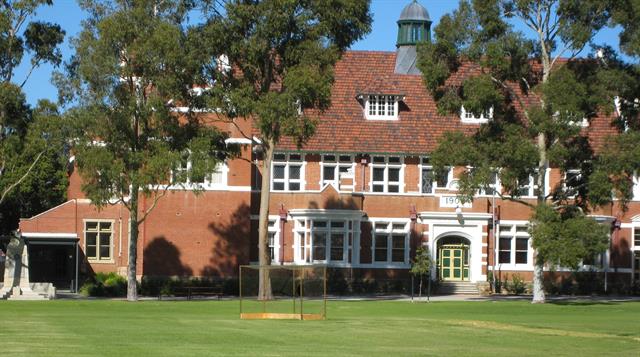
(453,258)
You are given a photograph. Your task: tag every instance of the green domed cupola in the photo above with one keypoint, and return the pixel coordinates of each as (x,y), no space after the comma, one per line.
(414,25)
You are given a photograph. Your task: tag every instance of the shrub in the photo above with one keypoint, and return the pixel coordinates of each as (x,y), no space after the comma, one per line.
(517,285)
(105,285)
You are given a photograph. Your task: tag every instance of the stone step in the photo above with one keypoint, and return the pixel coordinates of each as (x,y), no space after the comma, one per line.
(458,287)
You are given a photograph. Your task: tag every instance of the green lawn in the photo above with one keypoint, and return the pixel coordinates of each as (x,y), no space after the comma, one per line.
(387,328)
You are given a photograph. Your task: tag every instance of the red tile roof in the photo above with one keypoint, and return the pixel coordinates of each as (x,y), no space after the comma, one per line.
(344,128)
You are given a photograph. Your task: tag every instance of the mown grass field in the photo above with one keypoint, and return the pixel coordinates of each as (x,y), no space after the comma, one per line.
(363,328)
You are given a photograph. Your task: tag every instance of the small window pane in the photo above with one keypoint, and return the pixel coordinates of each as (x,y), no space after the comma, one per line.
(91,252)
(294,186)
(329,158)
(522,243)
(337,224)
(394,188)
(92,238)
(394,160)
(382,226)
(278,186)
(295,157)
(378,188)
(329,173)
(504,258)
(394,175)
(522,229)
(521,257)
(105,253)
(505,244)
(279,157)
(91,226)
(398,241)
(278,171)
(378,174)
(319,224)
(398,226)
(319,246)
(378,160)
(105,239)
(294,172)
(345,158)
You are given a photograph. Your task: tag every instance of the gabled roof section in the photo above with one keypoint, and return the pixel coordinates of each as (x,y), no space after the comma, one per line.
(343,127)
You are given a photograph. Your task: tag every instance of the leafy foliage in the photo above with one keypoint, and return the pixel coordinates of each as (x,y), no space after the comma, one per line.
(272,63)
(32,140)
(540,94)
(133,71)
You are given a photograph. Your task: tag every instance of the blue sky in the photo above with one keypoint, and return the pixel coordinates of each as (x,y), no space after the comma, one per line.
(382,37)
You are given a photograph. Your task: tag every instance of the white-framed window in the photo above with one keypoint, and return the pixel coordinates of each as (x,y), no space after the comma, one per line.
(335,167)
(428,180)
(492,187)
(98,240)
(274,239)
(469,118)
(386,174)
(529,187)
(390,243)
(636,238)
(572,178)
(514,247)
(381,107)
(287,172)
(636,187)
(319,240)
(216,179)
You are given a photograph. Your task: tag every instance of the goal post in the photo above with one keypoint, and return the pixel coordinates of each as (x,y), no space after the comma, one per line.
(298,292)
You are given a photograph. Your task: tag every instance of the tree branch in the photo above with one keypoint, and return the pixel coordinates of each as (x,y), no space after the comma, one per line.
(15,184)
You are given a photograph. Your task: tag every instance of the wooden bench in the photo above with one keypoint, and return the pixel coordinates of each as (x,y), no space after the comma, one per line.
(190,291)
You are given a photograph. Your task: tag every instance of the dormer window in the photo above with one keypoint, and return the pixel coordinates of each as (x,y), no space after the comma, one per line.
(381,107)
(470,118)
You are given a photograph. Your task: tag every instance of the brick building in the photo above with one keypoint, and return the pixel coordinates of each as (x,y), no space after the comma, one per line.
(359,196)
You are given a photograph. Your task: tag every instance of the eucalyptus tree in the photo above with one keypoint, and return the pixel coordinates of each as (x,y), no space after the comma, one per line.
(29,150)
(540,93)
(133,80)
(273,64)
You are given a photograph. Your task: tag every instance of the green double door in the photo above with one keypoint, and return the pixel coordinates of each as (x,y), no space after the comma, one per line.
(454,262)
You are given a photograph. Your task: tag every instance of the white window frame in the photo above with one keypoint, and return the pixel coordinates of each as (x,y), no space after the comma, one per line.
(513,234)
(532,185)
(385,183)
(372,107)
(274,238)
(208,182)
(564,179)
(424,165)
(389,228)
(97,258)
(469,118)
(635,246)
(304,232)
(636,187)
(496,186)
(288,163)
(338,164)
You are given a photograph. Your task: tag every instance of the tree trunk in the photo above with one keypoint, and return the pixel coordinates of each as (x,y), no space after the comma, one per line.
(538,283)
(420,291)
(132,282)
(264,258)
